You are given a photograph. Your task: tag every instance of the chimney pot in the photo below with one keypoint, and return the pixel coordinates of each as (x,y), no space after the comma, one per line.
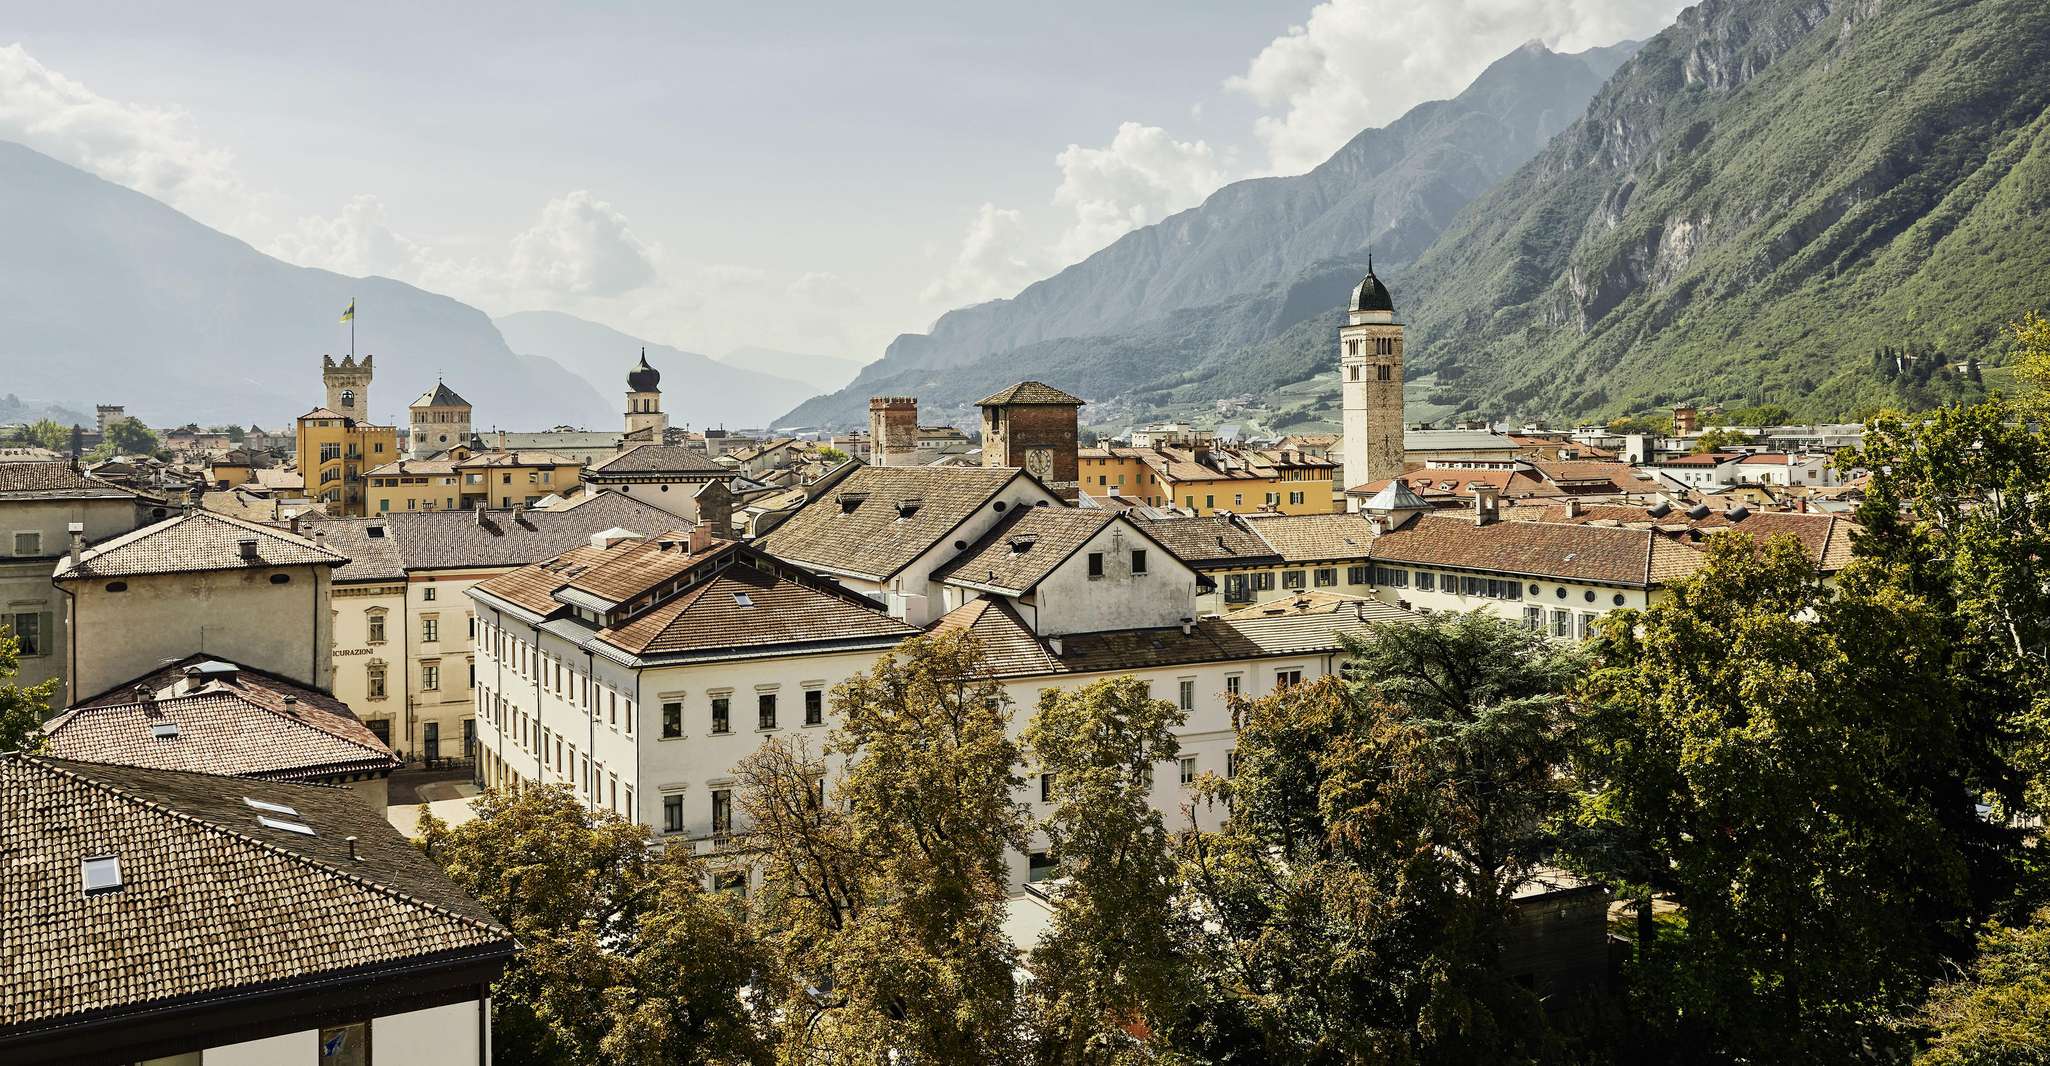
(352,850)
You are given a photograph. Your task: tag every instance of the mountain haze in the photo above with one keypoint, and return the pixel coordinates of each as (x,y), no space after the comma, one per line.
(112,297)
(820,372)
(696,389)
(1252,260)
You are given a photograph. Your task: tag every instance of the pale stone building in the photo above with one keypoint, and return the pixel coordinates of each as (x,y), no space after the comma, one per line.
(201,582)
(41,505)
(439,420)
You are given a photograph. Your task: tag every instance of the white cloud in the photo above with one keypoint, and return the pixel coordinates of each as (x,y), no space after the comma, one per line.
(582,246)
(999,256)
(359,241)
(1141,177)
(152,150)
(1360,63)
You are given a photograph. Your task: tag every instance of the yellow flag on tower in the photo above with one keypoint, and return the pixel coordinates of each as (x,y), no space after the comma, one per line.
(350,314)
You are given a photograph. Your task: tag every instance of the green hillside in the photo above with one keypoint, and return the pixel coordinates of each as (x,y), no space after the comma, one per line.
(1767,193)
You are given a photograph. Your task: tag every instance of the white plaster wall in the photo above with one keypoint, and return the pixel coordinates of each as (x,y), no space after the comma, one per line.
(916,579)
(292,1049)
(236,614)
(1070,601)
(1548,596)
(438,1036)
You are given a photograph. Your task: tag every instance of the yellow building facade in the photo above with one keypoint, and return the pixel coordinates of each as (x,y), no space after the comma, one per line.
(465,481)
(1209,480)
(335,455)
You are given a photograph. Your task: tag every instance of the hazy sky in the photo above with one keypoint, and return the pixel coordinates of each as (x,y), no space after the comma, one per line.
(811,177)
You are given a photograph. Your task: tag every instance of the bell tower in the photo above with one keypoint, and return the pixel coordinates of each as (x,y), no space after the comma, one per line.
(348,386)
(1370,381)
(644,400)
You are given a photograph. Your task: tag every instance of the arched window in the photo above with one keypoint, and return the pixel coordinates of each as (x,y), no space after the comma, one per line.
(348,397)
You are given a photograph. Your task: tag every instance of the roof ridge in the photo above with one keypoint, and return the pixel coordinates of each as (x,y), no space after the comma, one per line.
(286,853)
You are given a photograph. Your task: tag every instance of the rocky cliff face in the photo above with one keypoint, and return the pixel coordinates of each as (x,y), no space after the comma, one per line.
(1256,258)
(1766,191)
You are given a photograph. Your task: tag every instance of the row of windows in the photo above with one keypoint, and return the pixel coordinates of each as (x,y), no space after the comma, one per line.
(721,721)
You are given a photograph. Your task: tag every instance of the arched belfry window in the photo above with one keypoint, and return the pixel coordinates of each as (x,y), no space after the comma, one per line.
(348,397)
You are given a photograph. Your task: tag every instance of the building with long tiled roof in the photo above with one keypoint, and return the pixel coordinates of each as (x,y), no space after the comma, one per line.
(149,913)
(41,503)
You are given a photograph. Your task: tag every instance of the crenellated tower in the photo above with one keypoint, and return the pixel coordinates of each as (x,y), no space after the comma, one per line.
(348,386)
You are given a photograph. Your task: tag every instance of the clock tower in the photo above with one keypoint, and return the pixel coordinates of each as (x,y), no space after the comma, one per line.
(1037,427)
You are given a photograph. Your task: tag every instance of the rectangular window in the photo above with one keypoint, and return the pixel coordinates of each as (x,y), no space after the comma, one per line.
(1046,788)
(1292,579)
(814,707)
(1355,575)
(376,629)
(1285,678)
(1138,562)
(1586,627)
(1326,576)
(1231,764)
(430,676)
(1426,581)
(1534,619)
(1210,502)
(1562,621)
(672,813)
(1295,498)
(1263,581)
(1237,589)
(375,682)
(32,628)
(722,811)
(430,630)
(427,593)
(1231,684)
(672,718)
(1187,766)
(722,722)
(1095,564)
(765,711)
(1383,373)
(29,543)
(1188,694)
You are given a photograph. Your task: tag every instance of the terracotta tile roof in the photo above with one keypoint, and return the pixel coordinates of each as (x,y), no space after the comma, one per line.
(1024,547)
(1826,537)
(1212,541)
(1576,473)
(515,458)
(200,541)
(414,468)
(1030,392)
(54,481)
(741,607)
(1555,551)
(211,903)
(632,568)
(1697,459)
(1309,538)
(1010,649)
(368,543)
(858,526)
(533,587)
(1443,485)
(440,396)
(658,459)
(231,719)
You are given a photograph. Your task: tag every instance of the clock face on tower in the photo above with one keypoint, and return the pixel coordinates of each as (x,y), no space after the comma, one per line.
(1039,462)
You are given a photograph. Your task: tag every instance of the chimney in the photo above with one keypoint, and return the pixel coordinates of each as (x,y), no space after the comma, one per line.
(77,531)
(291,702)
(1485,508)
(1572,507)
(1188,626)
(147,698)
(246,548)
(1055,644)
(294,524)
(701,538)
(480,516)
(320,538)
(715,508)
(1378,523)
(353,857)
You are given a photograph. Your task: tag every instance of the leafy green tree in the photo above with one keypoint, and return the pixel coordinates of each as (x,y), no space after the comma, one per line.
(624,958)
(1998,1012)
(1716,440)
(1113,967)
(832,455)
(2031,359)
(130,437)
(44,433)
(1745,753)
(1335,922)
(22,708)
(884,907)
(1628,424)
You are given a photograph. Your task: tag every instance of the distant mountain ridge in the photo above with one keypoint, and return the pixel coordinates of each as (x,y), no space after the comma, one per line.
(112,297)
(821,372)
(1768,191)
(1255,258)
(696,389)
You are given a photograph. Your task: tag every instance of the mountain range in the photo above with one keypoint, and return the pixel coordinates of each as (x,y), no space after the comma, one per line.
(1741,210)
(697,390)
(1168,305)
(112,297)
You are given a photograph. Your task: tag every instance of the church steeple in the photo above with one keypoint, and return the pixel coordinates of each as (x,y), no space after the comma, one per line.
(1370,383)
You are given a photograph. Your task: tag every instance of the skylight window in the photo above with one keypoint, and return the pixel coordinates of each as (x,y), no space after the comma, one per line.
(274,808)
(300,828)
(742,599)
(164,730)
(100,873)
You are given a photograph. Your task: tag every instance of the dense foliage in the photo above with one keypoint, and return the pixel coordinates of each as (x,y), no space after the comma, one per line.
(22,707)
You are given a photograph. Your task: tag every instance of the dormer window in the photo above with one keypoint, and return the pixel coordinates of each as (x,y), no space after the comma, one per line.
(909,506)
(850,500)
(1023,543)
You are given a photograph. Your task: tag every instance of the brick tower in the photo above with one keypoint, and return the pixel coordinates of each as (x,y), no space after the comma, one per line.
(892,430)
(1035,426)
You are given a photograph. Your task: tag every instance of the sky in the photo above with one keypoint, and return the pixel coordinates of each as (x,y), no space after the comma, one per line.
(808,177)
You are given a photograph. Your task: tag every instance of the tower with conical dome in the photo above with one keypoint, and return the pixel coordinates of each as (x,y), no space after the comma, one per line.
(1370,382)
(644,400)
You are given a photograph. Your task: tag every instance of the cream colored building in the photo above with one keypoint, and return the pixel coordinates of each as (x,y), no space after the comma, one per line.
(437,421)
(41,503)
(199,583)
